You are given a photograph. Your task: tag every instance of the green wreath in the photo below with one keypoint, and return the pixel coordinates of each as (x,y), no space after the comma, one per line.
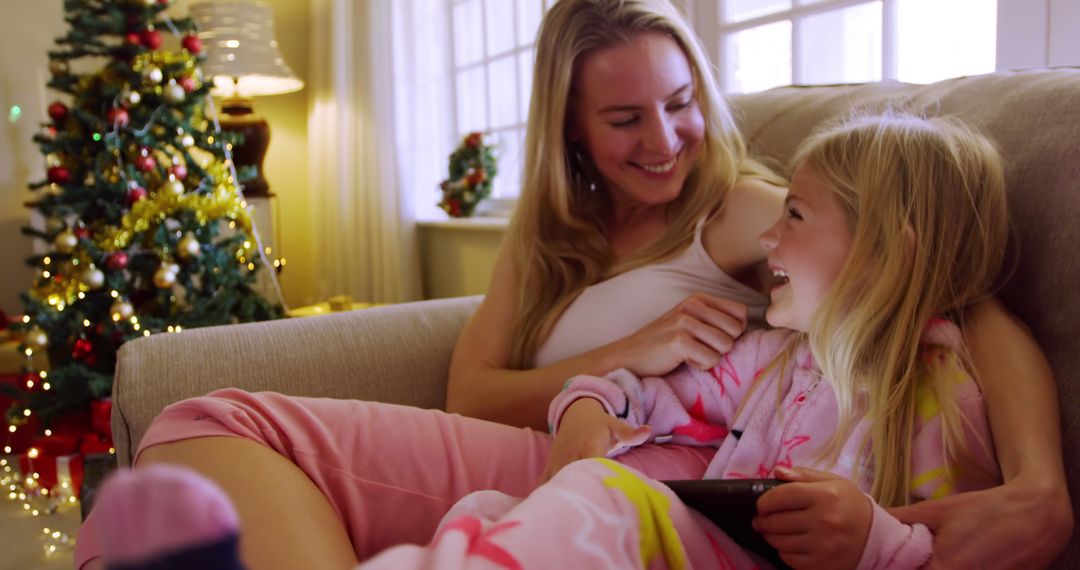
(472,168)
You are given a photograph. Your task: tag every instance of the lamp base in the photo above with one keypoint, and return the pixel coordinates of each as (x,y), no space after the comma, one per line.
(238,117)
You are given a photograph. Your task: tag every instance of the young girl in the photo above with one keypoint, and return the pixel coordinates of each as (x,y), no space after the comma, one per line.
(893,224)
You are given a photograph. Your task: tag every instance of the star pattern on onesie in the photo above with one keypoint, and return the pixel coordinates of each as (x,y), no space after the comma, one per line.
(480,543)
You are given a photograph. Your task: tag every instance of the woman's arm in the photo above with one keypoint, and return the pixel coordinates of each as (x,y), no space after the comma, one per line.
(1031,513)
(481,385)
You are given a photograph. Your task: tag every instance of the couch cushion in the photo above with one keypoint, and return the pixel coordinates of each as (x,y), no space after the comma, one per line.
(1034,116)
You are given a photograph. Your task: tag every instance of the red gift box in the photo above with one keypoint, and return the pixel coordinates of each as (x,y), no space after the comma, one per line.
(53,470)
(94,443)
(101,417)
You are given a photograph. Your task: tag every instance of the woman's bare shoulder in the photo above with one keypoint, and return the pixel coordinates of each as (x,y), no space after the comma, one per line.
(731,236)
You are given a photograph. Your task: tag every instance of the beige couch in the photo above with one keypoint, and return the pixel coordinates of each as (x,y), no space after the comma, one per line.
(401,353)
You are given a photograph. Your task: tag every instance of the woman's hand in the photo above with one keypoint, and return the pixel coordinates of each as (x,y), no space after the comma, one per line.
(697,331)
(586,430)
(818,520)
(1014,525)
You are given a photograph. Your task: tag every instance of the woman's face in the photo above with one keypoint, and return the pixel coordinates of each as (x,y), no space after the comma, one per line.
(636,116)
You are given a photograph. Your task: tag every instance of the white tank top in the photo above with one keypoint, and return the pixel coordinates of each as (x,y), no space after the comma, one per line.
(613,309)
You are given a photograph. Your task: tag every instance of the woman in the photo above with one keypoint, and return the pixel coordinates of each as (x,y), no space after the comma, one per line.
(637,194)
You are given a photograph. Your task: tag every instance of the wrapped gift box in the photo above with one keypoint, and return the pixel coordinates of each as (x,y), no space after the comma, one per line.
(52,470)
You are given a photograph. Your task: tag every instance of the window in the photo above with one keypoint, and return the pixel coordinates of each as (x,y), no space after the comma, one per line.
(766,43)
(493,65)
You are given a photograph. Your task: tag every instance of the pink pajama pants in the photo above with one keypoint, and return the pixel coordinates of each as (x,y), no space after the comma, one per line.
(593,514)
(390,472)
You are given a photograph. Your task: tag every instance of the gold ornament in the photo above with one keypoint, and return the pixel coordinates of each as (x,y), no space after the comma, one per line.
(174,187)
(164,278)
(65,241)
(187,141)
(36,338)
(189,247)
(121,309)
(152,75)
(59,67)
(133,98)
(173,93)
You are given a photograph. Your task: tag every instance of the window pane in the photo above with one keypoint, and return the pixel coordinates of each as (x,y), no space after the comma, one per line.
(502,91)
(529,13)
(932,47)
(525,73)
(468,45)
(499,22)
(759,58)
(739,10)
(508,154)
(471,100)
(841,46)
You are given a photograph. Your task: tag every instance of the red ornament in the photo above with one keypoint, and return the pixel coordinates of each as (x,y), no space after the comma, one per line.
(58,112)
(82,349)
(188,83)
(150,38)
(474,139)
(476,177)
(179,171)
(455,207)
(118,260)
(82,232)
(58,175)
(132,39)
(135,194)
(145,163)
(192,43)
(118,116)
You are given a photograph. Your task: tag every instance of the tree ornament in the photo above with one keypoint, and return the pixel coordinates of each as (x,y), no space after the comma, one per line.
(187,141)
(172,187)
(179,171)
(145,162)
(173,93)
(59,67)
(150,38)
(53,159)
(81,232)
(58,175)
(132,39)
(58,112)
(134,194)
(189,247)
(163,278)
(93,278)
(152,75)
(188,83)
(192,43)
(82,349)
(132,98)
(48,132)
(118,116)
(65,241)
(36,337)
(117,261)
(122,308)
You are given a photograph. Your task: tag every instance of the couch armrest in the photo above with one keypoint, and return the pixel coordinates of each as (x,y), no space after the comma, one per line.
(397,353)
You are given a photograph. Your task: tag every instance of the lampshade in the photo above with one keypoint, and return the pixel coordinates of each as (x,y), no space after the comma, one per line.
(242,55)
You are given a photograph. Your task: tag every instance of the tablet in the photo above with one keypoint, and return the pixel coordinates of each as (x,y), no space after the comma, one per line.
(732,505)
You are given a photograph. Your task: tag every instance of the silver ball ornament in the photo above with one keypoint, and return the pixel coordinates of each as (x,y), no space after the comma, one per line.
(93,278)
(65,241)
(173,93)
(121,308)
(153,75)
(187,141)
(133,97)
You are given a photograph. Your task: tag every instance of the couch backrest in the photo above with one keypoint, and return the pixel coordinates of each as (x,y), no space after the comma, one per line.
(1034,116)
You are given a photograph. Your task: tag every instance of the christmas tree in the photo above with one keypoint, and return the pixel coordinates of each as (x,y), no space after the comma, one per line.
(144,227)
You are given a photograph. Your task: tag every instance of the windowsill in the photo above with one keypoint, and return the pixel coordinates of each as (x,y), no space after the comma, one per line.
(479,223)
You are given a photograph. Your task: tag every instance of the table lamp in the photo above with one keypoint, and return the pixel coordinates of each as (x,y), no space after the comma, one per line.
(243,60)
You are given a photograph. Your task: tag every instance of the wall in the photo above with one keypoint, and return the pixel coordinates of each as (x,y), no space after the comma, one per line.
(457,256)
(31,28)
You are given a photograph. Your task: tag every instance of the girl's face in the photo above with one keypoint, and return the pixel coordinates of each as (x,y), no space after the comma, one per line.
(807,248)
(635,114)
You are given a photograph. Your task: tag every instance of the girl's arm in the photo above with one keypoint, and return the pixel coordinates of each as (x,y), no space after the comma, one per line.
(482,385)
(1031,513)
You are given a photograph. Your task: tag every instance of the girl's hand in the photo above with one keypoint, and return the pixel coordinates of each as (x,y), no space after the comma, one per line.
(819,520)
(1030,526)
(586,430)
(697,331)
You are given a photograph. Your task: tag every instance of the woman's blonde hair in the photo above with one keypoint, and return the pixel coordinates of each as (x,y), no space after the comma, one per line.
(926,199)
(558,234)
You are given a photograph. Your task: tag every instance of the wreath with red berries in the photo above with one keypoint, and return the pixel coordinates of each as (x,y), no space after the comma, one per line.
(472,168)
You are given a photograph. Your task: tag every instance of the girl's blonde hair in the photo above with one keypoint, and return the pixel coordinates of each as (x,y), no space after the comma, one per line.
(926,199)
(558,234)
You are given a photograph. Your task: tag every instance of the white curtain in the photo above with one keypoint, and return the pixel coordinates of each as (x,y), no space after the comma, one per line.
(380,118)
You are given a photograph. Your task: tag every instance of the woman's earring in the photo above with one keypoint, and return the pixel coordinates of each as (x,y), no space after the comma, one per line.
(581,170)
